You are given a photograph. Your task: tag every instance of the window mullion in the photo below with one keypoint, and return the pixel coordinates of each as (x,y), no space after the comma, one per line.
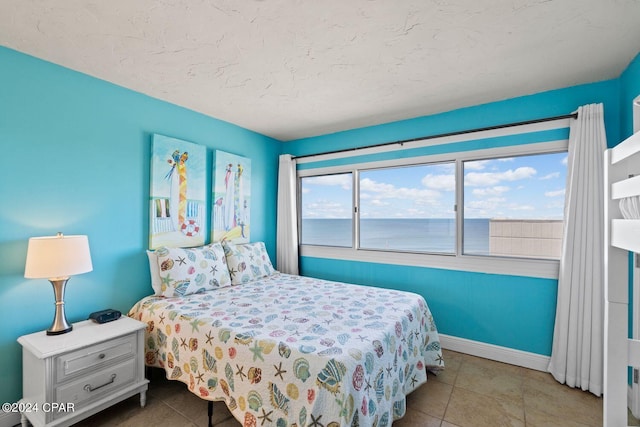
(459,215)
(356,209)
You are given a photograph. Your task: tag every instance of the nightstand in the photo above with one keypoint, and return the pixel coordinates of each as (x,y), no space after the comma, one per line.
(68,377)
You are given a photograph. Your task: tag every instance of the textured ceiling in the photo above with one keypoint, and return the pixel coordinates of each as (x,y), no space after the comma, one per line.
(294,68)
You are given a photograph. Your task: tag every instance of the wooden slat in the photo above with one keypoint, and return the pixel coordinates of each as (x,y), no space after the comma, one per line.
(626,188)
(625,234)
(626,148)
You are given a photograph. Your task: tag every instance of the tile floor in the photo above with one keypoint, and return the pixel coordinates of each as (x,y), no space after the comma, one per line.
(471,392)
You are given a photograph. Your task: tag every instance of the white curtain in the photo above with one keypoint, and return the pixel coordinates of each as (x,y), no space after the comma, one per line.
(287,222)
(577,353)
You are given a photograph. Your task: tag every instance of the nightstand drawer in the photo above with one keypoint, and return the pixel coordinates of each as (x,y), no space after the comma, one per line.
(95,356)
(106,381)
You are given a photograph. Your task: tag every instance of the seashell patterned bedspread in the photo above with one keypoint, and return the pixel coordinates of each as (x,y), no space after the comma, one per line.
(296,351)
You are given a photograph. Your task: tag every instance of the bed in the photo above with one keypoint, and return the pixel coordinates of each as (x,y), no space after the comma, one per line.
(289,350)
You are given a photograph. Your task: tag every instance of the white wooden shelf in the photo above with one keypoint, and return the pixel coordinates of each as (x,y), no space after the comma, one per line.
(625,234)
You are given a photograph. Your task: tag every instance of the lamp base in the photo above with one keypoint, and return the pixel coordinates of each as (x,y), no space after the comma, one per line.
(60,324)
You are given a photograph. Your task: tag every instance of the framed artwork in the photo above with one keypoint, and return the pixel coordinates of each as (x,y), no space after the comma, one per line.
(178,193)
(231,198)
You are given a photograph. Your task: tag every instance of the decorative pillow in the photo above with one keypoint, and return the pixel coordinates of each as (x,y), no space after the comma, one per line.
(156,280)
(185,271)
(247,262)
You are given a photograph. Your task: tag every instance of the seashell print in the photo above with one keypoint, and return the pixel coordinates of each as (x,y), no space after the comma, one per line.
(278,399)
(170,360)
(176,373)
(343,338)
(162,251)
(249,420)
(372,410)
(284,350)
(330,351)
(331,375)
(150,358)
(377,347)
(254,400)
(242,267)
(208,361)
(302,417)
(203,392)
(191,255)
(355,353)
(368,363)
(192,382)
(307,349)
(151,343)
(193,363)
(218,353)
(364,408)
(200,279)
(181,287)
(387,392)
(186,368)
(399,409)
(212,383)
(358,377)
(311,395)
(301,369)
(243,338)
(254,375)
(228,372)
(292,391)
(167,264)
(255,270)
(232,352)
(224,335)
(267,346)
(333,424)
(193,344)
(225,387)
(162,338)
(327,342)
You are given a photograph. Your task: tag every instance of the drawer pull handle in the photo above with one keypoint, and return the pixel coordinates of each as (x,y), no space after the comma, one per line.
(89,388)
(101,356)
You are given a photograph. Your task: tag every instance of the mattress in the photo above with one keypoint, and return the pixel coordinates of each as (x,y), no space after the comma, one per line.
(290,350)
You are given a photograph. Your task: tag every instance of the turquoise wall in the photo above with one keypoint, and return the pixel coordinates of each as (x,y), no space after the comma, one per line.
(510,311)
(76,159)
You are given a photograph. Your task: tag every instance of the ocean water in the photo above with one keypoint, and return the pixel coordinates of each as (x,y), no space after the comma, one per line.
(414,235)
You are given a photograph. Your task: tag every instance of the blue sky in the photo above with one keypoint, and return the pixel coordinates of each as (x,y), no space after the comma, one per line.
(530,187)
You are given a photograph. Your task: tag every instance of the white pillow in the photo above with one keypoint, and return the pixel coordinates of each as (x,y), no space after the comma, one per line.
(185,271)
(156,281)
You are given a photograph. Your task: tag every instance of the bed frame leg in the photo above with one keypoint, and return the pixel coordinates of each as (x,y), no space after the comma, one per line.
(210,412)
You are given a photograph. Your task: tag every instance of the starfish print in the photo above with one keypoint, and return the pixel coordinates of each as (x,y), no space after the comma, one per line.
(214,269)
(328,321)
(439,359)
(209,337)
(389,369)
(285,318)
(240,372)
(257,351)
(183,343)
(279,371)
(181,261)
(265,416)
(161,318)
(414,380)
(362,339)
(200,378)
(232,272)
(194,325)
(315,422)
(367,386)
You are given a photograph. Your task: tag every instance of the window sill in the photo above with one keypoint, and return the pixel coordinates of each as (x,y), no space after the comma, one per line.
(547,269)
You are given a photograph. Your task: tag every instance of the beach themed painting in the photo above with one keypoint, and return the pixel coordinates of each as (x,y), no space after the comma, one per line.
(178,193)
(231,198)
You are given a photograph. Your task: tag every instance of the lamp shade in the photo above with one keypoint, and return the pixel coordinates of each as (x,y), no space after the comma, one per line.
(54,257)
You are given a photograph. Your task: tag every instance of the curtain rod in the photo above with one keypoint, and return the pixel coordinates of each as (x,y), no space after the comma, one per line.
(442,135)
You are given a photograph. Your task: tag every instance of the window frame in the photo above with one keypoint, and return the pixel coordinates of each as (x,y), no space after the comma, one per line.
(530,267)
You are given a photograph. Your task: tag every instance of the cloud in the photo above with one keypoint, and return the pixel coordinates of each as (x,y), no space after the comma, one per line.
(565,160)
(440,182)
(491,191)
(389,191)
(550,176)
(556,193)
(326,209)
(480,179)
(343,180)
(476,165)
(518,207)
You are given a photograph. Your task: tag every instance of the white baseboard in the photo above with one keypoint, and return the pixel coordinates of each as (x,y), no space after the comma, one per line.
(495,352)
(9,419)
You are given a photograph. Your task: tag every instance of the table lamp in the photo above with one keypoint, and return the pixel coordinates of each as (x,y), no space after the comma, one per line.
(56,258)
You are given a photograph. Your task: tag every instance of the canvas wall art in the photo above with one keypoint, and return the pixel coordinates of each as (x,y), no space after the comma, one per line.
(231,198)
(178,193)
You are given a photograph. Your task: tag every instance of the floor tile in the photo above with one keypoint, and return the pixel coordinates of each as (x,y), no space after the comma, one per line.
(469,409)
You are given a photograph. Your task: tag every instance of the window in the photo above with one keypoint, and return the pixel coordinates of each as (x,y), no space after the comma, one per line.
(513,206)
(491,201)
(408,208)
(326,210)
